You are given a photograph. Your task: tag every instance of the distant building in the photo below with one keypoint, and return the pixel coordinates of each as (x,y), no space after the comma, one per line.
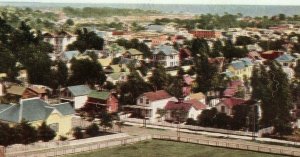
(76,95)
(103,99)
(166,55)
(200,33)
(59,40)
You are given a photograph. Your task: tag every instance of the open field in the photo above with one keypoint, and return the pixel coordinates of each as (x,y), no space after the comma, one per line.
(158,148)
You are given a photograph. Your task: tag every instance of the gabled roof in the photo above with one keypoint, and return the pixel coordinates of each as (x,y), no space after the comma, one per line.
(165,49)
(237,65)
(16,90)
(116,76)
(196,104)
(99,95)
(172,105)
(285,58)
(31,110)
(105,61)
(158,95)
(79,90)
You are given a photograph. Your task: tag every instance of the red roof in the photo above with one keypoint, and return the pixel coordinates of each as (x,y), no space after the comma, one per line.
(231,102)
(196,104)
(172,105)
(158,95)
(229,92)
(188,79)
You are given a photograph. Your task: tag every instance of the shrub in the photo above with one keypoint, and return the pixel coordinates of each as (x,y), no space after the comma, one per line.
(45,133)
(77,133)
(191,121)
(62,138)
(92,130)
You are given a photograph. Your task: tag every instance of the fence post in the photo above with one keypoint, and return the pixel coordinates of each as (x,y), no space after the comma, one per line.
(2,151)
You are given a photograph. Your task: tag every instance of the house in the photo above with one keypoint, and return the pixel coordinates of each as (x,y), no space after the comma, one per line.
(105,62)
(59,40)
(241,68)
(103,99)
(232,88)
(182,110)
(114,50)
(166,55)
(117,77)
(76,95)
(68,55)
(37,111)
(226,105)
(271,54)
(149,103)
(117,68)
(188,82)
(286,60)
(20,92)
(133,54)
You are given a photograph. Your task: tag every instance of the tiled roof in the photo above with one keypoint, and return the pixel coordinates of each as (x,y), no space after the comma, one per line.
(79,90)
(231,102)
(99,95)
(33,110)
(158,95)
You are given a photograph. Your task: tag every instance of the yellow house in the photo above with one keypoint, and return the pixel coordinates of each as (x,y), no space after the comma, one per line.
(240,68)
(36,111)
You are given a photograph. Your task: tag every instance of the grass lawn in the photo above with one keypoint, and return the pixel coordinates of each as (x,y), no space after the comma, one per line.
(158,148)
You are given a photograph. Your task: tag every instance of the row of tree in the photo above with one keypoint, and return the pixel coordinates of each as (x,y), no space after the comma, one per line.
(24,133)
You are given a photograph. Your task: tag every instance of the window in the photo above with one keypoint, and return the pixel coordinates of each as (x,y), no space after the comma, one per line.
(285,64)
(54,127)
(171,57)
(141,100)
(223,109)
(147,101)
(171,63)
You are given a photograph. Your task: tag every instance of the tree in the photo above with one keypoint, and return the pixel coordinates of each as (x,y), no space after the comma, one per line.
(70,22)
(206,74)
(92,130)
(297,70)
(244,40)
(230,52)
(106,120)
(86,41)
(77,133)
(159,78)
(217,49)
(45,133)
(59,74)
(5,134)
(222,121)
(206,118)
(86,71)
(240,114)
(26,133)
(175,88)
(134,87)
(199,47)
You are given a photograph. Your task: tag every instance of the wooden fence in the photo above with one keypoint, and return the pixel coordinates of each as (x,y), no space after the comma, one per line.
(73,149)
(231,145)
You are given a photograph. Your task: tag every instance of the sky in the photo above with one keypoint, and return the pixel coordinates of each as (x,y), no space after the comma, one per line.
(243,2)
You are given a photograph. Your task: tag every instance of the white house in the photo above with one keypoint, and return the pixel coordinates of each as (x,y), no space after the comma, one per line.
(166,55)
(226,105)
(59,40)
(286,60)
(76,95)
(149,103)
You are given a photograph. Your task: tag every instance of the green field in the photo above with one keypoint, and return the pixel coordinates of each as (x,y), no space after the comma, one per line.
(157,148)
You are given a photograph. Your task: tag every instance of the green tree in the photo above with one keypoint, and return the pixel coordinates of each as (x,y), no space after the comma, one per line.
(59,76)
(297,70)
(240,114)
(5,134)
(86,41)
(26,133)
(77,133)
(159,78)
(106,120)
(86,71)
(70,22)
(134,87)
(45,133)
(175,88)
(217,49)
(92,130)
(244,40)
(199,47)
(206,118)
